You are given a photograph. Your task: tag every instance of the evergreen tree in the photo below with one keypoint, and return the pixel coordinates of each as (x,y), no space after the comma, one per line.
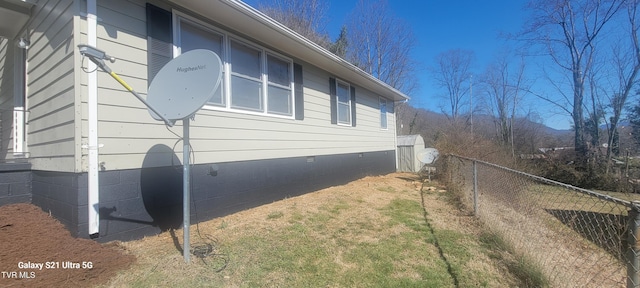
(341,45)
(634,118)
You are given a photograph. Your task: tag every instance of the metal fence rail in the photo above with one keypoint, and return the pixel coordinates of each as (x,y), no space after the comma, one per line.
(579,238)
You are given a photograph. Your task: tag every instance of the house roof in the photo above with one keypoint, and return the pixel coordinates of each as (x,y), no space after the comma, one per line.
(241,17)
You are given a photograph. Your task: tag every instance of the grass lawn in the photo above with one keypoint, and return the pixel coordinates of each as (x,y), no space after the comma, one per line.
(386,231)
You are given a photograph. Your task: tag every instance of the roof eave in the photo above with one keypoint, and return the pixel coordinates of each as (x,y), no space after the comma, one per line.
(14,14)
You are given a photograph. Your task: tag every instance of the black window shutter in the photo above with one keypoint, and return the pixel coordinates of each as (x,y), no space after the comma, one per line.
(298,91)
(353,106)
(334,103)
(159,40)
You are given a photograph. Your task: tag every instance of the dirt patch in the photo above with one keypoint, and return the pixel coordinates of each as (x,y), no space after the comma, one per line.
(37,251)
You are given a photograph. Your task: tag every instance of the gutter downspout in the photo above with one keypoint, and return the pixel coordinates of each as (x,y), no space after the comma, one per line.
(92,87)
(395,138)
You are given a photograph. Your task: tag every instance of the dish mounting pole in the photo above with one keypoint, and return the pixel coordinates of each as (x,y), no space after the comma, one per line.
(186,188)
(191,71)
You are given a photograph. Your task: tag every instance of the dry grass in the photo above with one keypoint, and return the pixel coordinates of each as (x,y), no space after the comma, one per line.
(377,231)
(566,257)
(574,239)
(577,240)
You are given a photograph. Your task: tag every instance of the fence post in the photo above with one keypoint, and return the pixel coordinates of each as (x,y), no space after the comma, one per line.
(475,188)
(450,169)
(633,259)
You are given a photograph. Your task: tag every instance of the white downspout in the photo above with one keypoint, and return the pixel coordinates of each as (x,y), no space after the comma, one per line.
(92,86)
(19,89)
(395,128)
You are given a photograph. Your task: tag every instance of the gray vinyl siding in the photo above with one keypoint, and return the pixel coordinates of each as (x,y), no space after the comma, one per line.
(51,96)
(6,98)
(123,119)
(127,132)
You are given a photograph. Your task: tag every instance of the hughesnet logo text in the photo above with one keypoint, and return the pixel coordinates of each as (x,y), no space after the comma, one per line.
(191,68)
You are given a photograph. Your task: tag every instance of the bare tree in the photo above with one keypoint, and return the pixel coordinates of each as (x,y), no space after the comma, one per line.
(452,71)
(596,113)
(504,88)
(569,29)
(627,66)
(381,44)
(307,17)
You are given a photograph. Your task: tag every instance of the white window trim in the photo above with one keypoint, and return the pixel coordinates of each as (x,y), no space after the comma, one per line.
(291,87)
(227,36)
(261,80)
(177,50)
(338,81)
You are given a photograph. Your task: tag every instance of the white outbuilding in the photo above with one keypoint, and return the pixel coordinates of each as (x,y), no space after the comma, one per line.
(408,147)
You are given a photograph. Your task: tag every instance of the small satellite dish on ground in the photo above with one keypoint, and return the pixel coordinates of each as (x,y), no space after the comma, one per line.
(427,157)
(185,84)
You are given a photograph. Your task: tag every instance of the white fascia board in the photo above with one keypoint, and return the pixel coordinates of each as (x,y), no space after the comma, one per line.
(13,16)
(248,21)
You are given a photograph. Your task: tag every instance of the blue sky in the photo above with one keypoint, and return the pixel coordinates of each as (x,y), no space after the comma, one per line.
(441,25)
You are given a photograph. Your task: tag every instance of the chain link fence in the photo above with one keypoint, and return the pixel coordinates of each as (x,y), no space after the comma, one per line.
(578,238)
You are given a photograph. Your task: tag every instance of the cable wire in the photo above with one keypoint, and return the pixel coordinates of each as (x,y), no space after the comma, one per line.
(208,247)
(86,69)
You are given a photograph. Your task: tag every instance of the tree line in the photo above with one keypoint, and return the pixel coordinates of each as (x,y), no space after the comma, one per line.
(591,53)
(379,45)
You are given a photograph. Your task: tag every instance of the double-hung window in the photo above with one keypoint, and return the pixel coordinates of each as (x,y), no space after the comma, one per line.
(194,36)
(246,77)
(383,113)
(279,85)
(254,79)
(344,104)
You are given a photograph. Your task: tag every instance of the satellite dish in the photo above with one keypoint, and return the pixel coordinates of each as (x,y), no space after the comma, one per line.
(185,84)
(180,89)
(427,155)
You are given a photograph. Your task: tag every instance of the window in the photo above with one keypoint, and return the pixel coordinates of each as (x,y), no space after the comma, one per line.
(246,77)
(254,79)
(193,37)
(343,102)
(344,106)
(383,113)
(279,80)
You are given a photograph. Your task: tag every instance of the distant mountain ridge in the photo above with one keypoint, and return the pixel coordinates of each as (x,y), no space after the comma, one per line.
(557,132)
(620,125)
(431,124)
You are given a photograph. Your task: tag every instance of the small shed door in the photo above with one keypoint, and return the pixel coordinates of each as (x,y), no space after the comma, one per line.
(406,163)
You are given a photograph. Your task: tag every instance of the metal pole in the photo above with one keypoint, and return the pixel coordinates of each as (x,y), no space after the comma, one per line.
(633,261)
(186,250)
(471,101)
(475,188)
